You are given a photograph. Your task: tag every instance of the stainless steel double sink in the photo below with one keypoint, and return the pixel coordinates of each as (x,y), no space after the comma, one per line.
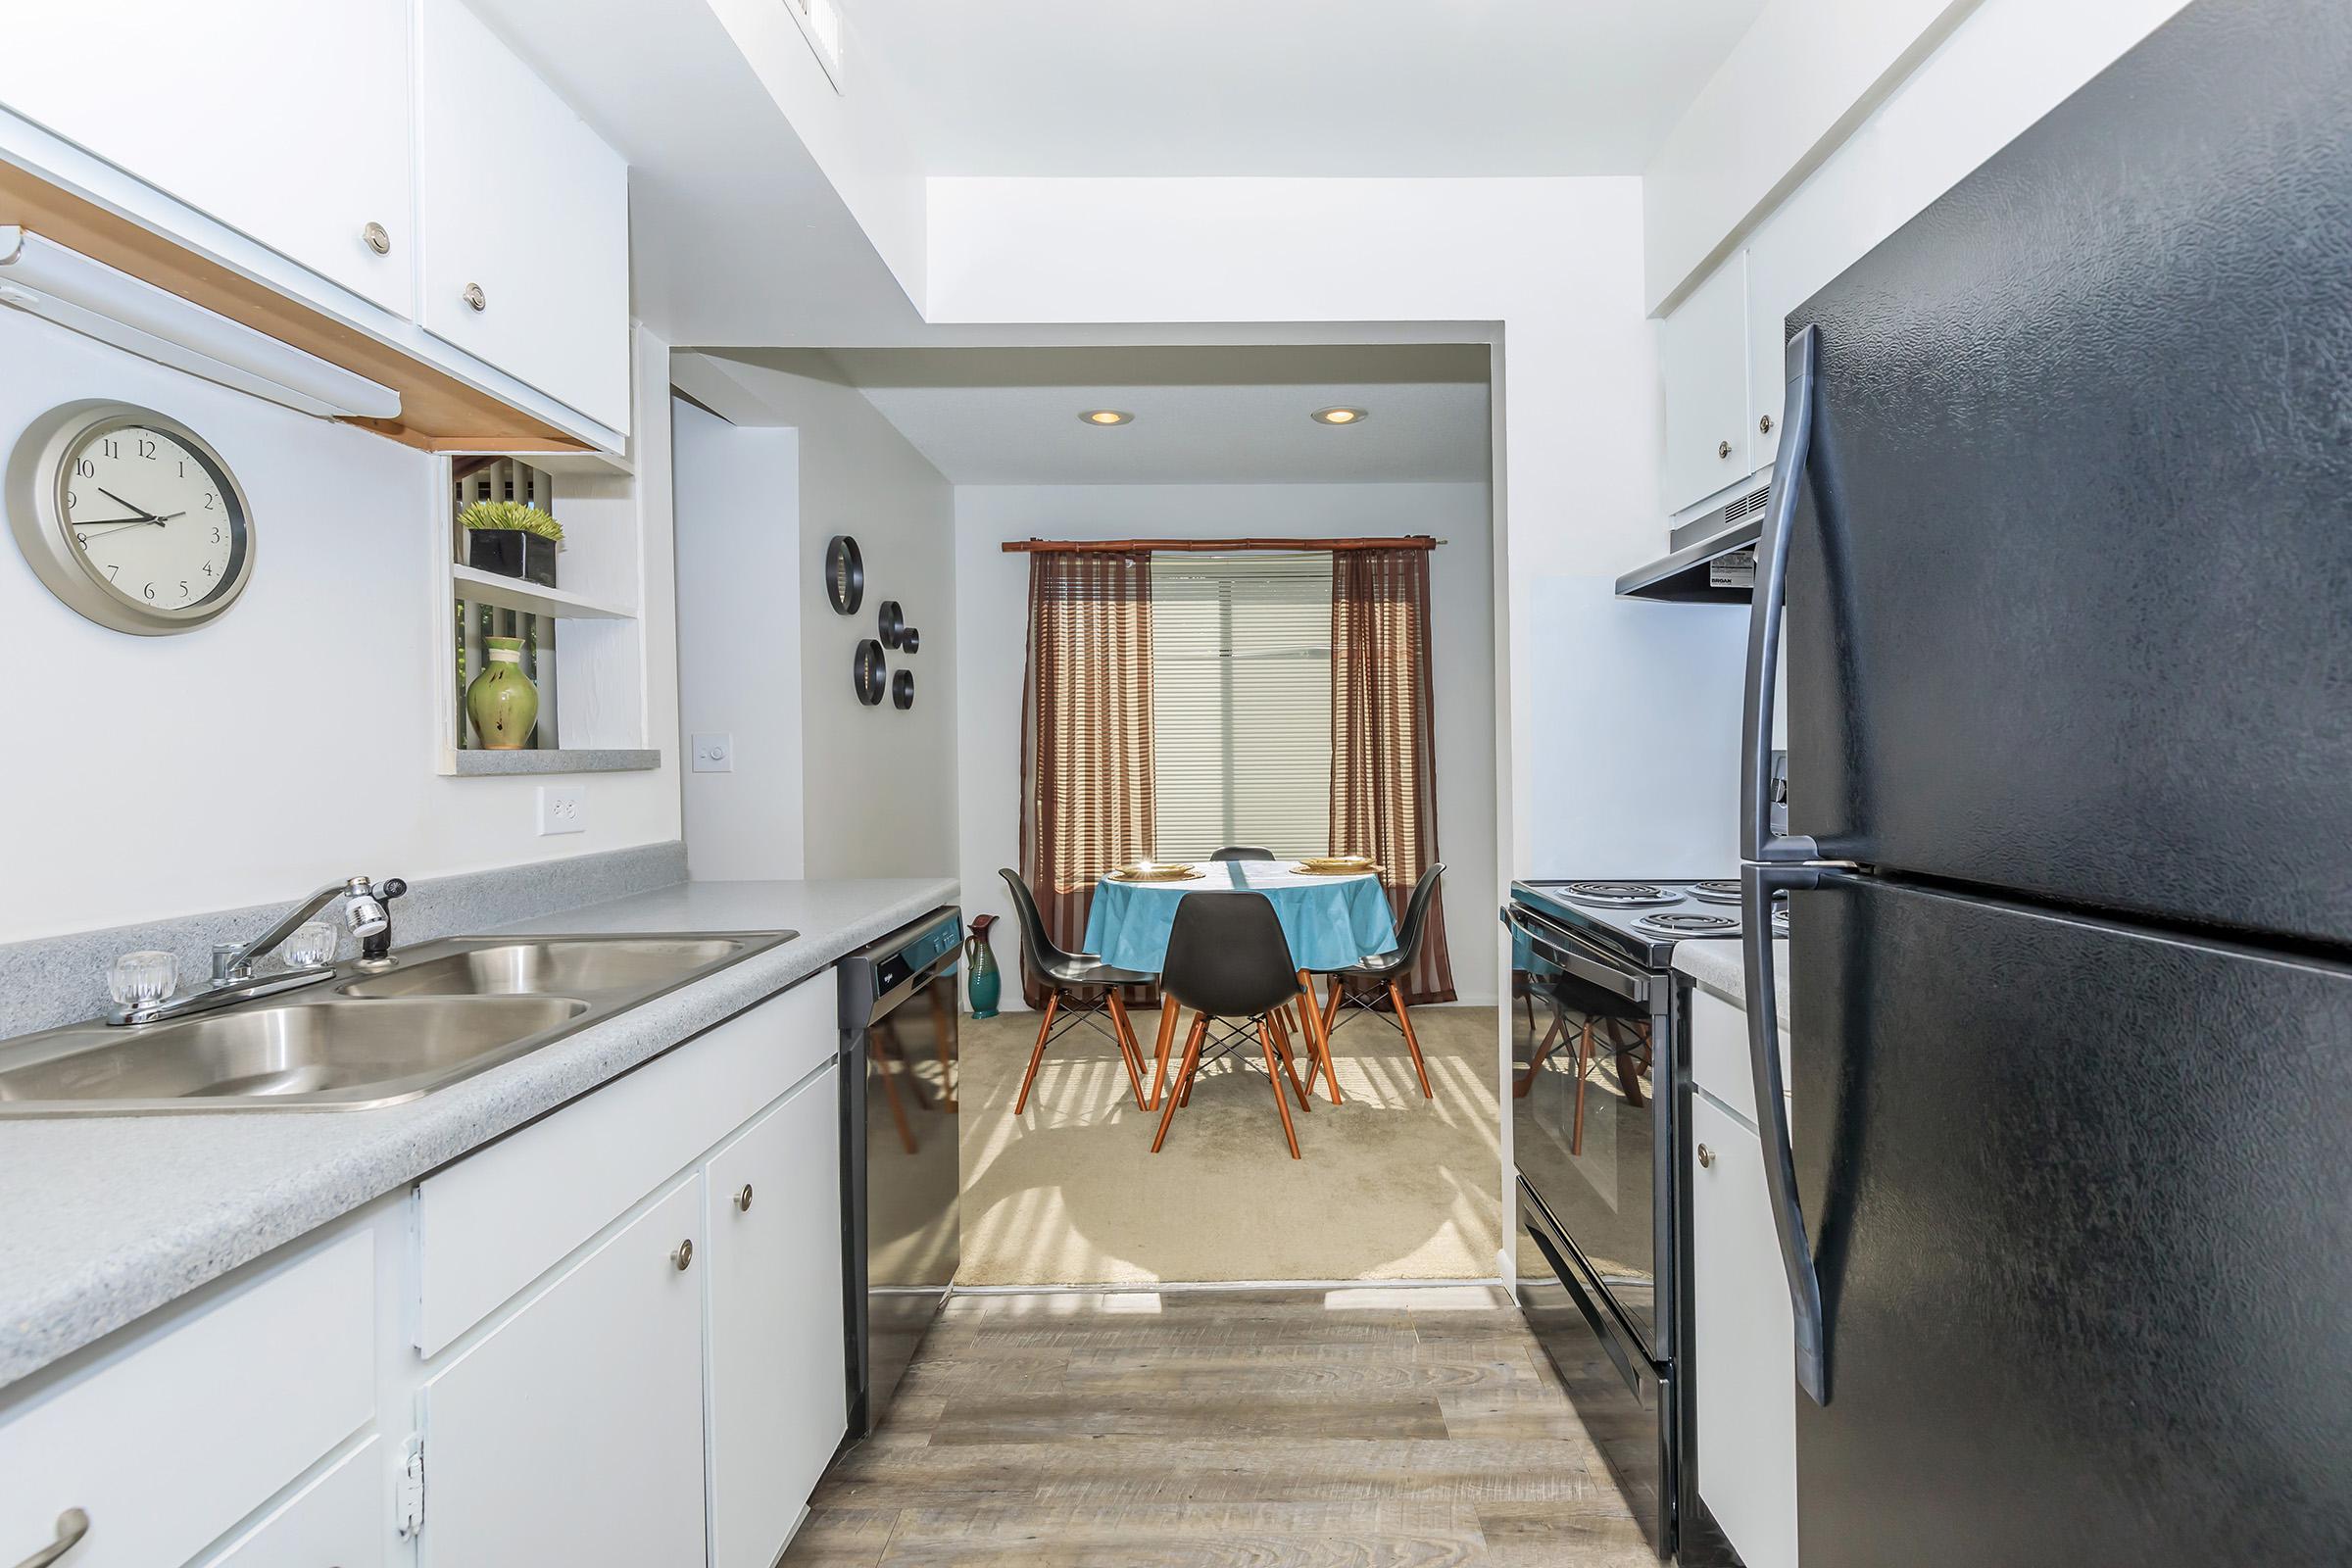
(354,1040)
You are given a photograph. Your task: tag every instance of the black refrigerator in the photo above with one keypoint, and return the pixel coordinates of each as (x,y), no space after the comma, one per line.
(2061,551)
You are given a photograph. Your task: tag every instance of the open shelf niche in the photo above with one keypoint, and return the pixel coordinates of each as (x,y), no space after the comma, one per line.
(583,647)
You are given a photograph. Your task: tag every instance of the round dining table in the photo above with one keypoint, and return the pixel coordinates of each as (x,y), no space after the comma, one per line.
(1330,921)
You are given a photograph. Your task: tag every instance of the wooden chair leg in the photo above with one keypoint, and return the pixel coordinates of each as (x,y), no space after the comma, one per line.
(1266,1040)
(882,1056)
(1412,1042)
(1583,1066)
(1131,1055)
(1330,1007)
(1551,1037)
(1052,1005)
(1184,1079)
(1322,1037)
(1168,1014)
(1281,1048)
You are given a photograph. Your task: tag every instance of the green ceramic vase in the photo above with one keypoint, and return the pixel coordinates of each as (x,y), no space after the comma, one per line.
(501,701)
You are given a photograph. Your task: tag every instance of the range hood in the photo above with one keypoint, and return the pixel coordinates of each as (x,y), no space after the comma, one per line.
(1712,558)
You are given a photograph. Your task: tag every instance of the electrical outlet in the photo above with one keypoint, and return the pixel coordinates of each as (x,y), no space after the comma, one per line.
(562,808)
(713,754)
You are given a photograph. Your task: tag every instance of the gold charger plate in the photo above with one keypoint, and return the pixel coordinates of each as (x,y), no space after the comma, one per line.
(1158,874)
(1335,866)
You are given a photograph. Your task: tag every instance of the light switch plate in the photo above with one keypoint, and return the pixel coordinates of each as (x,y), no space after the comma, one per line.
(562,808)
(713,754)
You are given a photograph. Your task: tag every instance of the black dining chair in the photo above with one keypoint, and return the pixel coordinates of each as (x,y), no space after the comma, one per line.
(1065,975)
(1242,852)
(1228,959)
(1383,974)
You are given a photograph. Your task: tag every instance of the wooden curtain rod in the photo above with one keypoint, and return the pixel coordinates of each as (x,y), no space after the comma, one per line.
(1097,547)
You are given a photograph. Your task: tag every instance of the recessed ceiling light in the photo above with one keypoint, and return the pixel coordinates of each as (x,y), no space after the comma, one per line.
(1341,415)
(1108,417)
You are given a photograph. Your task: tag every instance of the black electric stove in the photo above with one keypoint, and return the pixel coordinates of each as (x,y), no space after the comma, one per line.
(1597,1128)
(1639,920)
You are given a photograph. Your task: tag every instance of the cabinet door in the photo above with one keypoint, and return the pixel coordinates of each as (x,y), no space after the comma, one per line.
(286,119)
(1703,350)
(525,217)
(778,1402)
(572,1432)
(1740,1332)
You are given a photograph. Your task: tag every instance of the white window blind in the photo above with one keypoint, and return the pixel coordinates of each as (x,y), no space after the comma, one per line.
(1241,702)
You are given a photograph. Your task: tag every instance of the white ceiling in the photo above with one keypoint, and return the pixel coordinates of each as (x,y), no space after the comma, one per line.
(1203,416)
(1320,87)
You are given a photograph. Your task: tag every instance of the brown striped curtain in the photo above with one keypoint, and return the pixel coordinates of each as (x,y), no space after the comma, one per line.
(1086,732)
(1384,784)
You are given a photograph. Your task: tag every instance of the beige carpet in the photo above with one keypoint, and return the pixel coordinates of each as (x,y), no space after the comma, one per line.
(1391,1186)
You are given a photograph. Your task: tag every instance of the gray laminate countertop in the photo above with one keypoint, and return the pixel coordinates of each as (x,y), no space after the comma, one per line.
(1720,967)
(105,1218)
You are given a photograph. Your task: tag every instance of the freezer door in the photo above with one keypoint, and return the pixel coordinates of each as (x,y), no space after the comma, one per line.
(2069,589)
(2081,1197)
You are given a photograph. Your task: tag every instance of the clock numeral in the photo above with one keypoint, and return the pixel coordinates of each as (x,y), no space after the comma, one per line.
(216,536)
(207,569)
(72,501)
(110,572)
(183,590)
(146,449)
(150,589)
(85,470)
(110,447)
(82,539)
(208,501)
(184,467)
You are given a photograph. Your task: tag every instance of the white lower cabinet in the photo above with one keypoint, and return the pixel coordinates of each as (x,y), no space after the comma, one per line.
(572,1432)
(778,1398)
(336,1521)
(1741,1329)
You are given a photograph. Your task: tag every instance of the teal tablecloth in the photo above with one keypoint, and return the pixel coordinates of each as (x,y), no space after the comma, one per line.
(1331,921)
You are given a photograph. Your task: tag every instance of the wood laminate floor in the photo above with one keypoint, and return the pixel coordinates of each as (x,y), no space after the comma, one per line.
(1267,1428)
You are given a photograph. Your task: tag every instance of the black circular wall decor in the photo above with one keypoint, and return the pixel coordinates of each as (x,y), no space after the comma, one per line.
(901,690)
(845,575)
(893,621)
(868,678)
(910,641)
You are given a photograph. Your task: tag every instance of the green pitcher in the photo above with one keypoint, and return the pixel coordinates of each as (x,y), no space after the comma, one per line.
(980,969)
(501,701)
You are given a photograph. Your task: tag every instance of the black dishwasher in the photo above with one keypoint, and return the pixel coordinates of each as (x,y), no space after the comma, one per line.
(900,1166)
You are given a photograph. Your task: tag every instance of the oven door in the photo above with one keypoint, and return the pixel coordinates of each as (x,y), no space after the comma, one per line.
(1590,1137)
(1625,1400)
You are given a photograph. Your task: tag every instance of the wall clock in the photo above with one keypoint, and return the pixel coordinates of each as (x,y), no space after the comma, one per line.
(129,517)
(845,575)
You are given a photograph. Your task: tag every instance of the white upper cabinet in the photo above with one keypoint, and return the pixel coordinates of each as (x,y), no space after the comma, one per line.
(285,120)
(1703,353)
(525,214)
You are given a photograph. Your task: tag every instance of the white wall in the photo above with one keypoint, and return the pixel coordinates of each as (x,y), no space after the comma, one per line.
(878,786)
(293,740)
(740,601)
(991,618)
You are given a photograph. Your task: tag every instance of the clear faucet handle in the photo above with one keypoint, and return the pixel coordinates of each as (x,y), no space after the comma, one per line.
(312,945)
(143,978)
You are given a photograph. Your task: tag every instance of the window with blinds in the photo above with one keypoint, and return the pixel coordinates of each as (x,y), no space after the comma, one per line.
(1241,702)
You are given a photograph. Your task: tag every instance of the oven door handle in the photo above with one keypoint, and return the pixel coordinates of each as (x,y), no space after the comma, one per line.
(1557,947)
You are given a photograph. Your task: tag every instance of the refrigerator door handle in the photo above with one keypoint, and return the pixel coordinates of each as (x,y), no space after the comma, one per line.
(1757,885)
(1757,841)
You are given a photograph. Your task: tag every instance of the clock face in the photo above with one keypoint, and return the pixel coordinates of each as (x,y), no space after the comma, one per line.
(152,517)
(129,518)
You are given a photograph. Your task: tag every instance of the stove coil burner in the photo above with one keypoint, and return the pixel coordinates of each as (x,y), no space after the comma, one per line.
(1689,925)
(1618,895)
(1715,891)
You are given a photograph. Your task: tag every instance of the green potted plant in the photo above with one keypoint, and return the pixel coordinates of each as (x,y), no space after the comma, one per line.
(512,540)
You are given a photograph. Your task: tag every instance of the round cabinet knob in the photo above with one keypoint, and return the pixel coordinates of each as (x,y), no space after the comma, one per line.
(1764,425)
(743,1200)
(684,1255)
(1706,1162)
(377,238)
(480,301)
(1723,449)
